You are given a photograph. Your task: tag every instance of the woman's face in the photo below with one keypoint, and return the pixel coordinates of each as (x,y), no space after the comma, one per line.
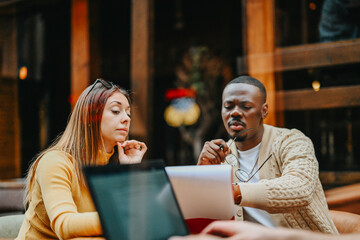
(115,121)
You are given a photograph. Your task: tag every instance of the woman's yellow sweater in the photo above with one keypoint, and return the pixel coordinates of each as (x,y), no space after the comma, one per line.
(59,207)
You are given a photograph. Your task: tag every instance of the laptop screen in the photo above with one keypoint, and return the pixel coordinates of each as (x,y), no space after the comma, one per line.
(135,201)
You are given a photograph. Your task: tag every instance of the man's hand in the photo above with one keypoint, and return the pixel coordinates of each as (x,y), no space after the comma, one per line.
(237,194)
(235,230)
(213,152)
(131,151)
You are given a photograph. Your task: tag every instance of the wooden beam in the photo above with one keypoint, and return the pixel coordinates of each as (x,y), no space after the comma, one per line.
(318,55)
(260,39)
(332,178)
(307,99)
(142,69)
(306,56)
(80,47)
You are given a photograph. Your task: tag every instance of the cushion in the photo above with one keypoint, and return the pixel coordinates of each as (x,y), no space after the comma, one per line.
(10,225)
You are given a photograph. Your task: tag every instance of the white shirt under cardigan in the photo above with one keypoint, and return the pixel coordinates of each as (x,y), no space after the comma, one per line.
(248,163)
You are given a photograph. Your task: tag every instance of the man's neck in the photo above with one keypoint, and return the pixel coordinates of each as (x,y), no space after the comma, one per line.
(252,141)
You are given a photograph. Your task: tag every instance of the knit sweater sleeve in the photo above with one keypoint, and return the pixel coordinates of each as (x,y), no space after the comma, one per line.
(295,188)
(54,175)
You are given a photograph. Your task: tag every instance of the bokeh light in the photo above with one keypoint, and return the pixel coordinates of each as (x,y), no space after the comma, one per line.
(23,73)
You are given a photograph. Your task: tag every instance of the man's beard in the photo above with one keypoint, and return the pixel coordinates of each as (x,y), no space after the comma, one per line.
(238,138)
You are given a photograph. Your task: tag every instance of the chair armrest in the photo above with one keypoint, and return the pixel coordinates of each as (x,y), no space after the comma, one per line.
(346,222)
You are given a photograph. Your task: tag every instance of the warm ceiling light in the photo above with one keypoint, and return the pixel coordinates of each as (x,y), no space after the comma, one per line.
(316,85)
(23,73)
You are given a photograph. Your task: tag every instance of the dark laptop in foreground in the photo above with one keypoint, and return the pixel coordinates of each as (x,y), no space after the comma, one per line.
(135,201)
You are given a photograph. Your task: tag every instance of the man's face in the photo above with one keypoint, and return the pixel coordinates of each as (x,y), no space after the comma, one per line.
(243,108)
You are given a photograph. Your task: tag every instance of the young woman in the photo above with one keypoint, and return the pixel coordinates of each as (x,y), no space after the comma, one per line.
(58,200)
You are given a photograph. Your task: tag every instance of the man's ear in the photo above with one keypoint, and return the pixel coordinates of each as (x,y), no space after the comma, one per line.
(264,110)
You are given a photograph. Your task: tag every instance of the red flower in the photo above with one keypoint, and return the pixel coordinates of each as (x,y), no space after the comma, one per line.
(179,93)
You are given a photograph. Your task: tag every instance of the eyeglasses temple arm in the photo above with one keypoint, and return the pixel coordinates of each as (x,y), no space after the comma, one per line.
(258,168)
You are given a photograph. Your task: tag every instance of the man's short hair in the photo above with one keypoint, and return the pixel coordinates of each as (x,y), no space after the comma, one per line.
(250,80)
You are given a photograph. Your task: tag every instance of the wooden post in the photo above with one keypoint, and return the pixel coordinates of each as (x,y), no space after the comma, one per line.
(94,38)
(260,39)
(80,56)
(142,69)
(10,144)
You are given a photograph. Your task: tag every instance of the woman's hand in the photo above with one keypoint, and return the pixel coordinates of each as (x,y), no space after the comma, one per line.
(131,151)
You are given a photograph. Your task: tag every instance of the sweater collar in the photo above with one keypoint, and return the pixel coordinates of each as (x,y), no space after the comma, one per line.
(103,159)
(266,149)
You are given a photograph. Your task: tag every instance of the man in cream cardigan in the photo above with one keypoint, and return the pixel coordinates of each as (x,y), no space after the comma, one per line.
(275,171)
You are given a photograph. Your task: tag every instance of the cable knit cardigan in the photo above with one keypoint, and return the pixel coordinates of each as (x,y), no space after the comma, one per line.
(289,187)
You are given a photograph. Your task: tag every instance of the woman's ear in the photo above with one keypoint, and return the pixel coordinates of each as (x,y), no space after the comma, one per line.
(264,110)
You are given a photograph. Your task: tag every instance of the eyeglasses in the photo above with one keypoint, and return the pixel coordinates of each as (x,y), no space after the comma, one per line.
(230,158)
(245,177)
(104,82)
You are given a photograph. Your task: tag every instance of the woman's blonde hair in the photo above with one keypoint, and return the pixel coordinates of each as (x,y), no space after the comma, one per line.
(82,137)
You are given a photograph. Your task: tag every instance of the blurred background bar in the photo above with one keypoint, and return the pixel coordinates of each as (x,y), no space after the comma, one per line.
(306,52)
